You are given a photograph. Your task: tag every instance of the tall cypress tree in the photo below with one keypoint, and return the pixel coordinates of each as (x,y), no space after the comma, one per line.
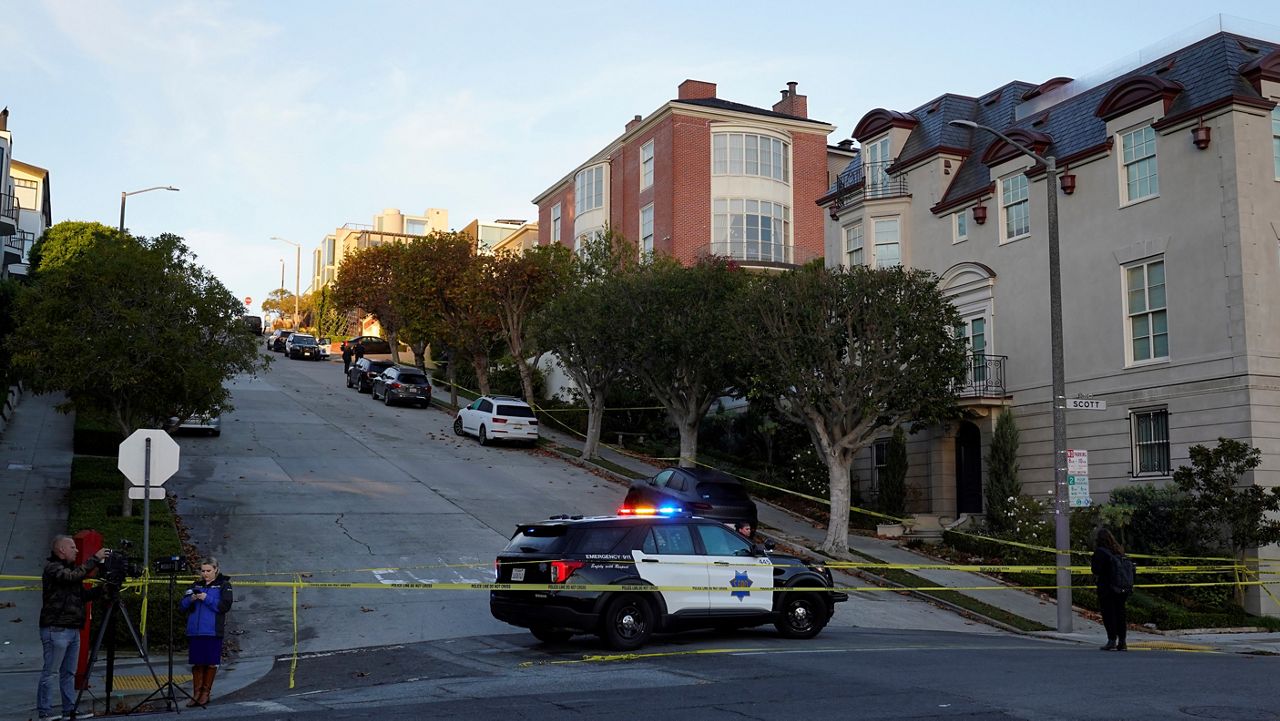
(893,484)
(1003,485)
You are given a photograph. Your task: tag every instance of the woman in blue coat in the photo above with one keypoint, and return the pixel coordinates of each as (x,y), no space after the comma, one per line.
(206,604)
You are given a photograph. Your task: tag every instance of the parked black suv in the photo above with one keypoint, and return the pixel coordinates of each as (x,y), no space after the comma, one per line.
(703,492)
(703,575)
(362,373)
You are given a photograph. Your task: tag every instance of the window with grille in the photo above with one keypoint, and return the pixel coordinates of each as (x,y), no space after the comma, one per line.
(853,244)
(1015,206)
(646,165)
(1149,430)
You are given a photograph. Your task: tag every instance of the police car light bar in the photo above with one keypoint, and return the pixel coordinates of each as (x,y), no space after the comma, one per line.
(649,511)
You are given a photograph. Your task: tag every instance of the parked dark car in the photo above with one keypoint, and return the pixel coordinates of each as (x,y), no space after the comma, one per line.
(373,345)
(302,345)
(275,341)
(363,372)
(402,385)
(703,492)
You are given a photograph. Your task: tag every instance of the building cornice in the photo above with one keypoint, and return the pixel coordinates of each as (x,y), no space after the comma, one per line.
(1172,120)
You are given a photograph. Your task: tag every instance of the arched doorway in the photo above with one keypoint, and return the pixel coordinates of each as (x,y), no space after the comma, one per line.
(968,469)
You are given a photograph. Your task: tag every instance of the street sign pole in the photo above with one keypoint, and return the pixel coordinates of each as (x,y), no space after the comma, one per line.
(146,535)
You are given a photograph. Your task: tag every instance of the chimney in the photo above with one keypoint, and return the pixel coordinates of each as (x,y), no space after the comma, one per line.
(792,103)
(846,144)
(4,119)
(632,123)
(696,90)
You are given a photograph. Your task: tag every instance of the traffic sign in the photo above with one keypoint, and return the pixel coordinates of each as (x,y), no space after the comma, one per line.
(133,457)
(137,493)
(248,300)
(1078,491)
(1085,404)
(1077,462)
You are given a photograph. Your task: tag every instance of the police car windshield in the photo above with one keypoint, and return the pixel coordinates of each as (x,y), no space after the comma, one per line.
(538,539)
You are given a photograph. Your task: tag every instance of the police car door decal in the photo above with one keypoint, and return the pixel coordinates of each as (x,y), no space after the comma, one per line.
(737,574)
(668,558)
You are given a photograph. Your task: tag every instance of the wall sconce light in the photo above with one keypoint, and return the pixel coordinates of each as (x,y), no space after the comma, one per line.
(1200,135)
(979,214)
(1068,181)
(946,166)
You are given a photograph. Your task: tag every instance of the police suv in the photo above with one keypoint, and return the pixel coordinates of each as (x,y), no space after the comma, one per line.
(703,575)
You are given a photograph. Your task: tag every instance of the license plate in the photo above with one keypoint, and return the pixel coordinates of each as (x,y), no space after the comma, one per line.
(517,426)
(517,574)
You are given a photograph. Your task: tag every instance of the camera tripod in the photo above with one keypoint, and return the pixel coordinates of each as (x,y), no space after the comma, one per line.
(168,690)
(115,607)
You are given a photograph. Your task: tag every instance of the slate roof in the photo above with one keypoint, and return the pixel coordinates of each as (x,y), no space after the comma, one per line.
(1208,71)
(741,108)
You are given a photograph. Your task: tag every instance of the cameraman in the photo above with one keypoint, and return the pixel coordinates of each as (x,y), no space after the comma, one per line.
(61,618)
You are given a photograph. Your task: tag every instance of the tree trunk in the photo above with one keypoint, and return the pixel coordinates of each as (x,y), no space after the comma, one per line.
(451,374)
(480,362)
(595,420)
(126,509)
(395,346)
(837,540)
(688,441)
(526,380)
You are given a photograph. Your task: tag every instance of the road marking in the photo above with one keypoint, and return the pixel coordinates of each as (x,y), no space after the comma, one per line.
(613,658)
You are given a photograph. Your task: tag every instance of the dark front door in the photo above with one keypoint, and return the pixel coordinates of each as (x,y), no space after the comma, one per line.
(968,469)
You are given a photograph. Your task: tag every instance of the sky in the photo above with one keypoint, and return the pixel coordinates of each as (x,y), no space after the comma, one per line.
(290,118)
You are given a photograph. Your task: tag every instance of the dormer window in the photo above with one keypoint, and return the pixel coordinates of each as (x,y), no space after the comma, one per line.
(878,159)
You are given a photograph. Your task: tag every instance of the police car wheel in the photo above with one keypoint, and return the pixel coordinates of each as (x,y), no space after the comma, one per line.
(457,426)
(550,635)
(628,622)
(802,615)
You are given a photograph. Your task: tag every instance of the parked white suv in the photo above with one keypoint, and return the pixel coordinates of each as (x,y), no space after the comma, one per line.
(497,418)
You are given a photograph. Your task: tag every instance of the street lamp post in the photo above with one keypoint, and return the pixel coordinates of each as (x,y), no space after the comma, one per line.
(1061,510)
(124,195)
(297,276)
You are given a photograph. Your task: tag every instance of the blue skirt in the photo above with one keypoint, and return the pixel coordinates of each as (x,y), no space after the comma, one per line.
(204,650)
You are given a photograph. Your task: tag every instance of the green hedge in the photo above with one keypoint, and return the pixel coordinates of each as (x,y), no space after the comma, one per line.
(95,501)
(95,435)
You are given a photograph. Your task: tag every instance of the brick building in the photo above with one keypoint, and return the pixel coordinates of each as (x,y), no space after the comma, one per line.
(701,176)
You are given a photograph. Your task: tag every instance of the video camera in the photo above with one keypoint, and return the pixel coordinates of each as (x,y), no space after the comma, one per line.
(118,566)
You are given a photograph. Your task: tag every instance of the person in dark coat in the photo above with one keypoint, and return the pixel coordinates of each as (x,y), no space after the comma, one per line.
(1111,603)
(206,604)
(61,618)
(359,350)
(346,358)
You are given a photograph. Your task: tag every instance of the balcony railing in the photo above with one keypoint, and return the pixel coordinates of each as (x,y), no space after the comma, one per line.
(867,181)
(761,254)
(984,378)
(9,207)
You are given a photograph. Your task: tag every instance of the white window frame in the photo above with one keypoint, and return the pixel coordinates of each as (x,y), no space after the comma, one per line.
(1137,154)
(1152,419)
(1145,311)
(877,223)
(879,155)
(646,165)
(959,227)
(731,238)
(646,234)
(1275,139)
(855,242)
(588,190)
(1015,202)
(732,154)
(555,223)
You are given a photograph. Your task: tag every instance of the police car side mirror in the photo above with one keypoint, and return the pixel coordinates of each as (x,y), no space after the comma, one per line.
(763,548)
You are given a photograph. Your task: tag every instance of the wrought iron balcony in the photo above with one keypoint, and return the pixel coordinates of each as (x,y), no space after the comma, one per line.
(9,207)
(984,378)
(867,181)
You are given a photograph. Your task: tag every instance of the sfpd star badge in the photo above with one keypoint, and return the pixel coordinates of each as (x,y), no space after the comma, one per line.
(740,580)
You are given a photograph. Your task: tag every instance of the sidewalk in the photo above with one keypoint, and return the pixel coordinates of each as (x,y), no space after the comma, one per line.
(783,525)
(35,472)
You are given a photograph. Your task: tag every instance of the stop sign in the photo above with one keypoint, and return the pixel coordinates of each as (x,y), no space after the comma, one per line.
(133,457)
(248,300)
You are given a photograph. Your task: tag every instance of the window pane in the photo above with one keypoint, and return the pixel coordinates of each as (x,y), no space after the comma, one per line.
(752,155)
(735,154)
(719,154)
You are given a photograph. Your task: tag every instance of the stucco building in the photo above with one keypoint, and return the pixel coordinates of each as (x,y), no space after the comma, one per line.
(1170,235)
(702,175)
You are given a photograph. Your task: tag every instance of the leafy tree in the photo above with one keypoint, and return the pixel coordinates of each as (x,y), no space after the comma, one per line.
(414,293)
(280,302)
(847,352)
(132,329)
(9,289)
(455,285)
(581,325)
(67,241)
(1003,484)
(327,320)
(681,337)
(365,283)
(893,483)
(1239,516)
(521,285)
